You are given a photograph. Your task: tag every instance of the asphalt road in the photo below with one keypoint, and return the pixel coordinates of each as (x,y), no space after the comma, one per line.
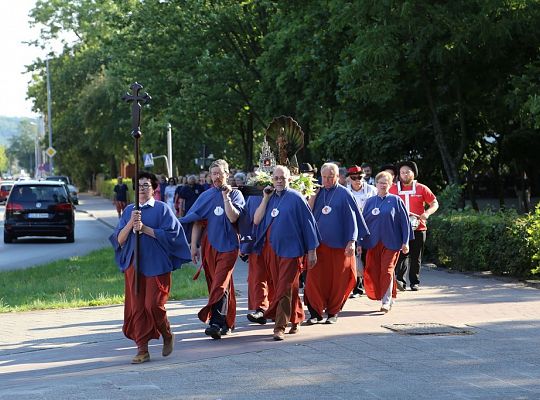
(90,234)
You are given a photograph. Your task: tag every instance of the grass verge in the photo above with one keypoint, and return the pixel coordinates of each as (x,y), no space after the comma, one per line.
(90,280)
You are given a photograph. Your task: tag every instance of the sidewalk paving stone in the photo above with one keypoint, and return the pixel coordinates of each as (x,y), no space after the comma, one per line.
(82,354)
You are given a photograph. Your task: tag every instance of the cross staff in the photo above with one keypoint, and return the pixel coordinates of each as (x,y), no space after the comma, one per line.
(136,101)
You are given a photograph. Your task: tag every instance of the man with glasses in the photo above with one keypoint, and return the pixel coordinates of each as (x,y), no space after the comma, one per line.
(214,213)
(361,191)
(163,248)
(286,232)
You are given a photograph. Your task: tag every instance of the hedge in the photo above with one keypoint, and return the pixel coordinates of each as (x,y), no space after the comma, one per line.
(503,242)
(104,188)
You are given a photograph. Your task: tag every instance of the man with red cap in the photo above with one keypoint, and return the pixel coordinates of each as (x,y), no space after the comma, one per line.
(361,191)
(415,196)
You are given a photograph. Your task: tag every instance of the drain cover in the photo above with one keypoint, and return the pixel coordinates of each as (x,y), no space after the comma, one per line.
(427,329)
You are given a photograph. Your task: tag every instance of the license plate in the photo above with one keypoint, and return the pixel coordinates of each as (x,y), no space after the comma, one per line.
(38,215)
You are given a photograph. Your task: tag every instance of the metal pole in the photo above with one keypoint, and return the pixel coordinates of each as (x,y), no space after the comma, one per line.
(169,149)
(49,114)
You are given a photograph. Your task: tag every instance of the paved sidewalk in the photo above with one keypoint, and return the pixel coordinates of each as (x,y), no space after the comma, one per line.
(82,354)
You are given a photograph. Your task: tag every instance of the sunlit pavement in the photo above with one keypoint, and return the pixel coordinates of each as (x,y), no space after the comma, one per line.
(494,353)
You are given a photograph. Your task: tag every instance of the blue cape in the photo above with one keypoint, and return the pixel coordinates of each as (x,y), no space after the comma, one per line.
(164,253)
(209,206)
(344,223)
(293,231)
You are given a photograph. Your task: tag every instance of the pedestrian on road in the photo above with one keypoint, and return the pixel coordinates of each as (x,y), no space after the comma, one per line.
(163,248)
(286,232)
(170,189)
(218,208)
(390,229)
(120,196)
(330,281)
(185,196)
(416,197)
(361,191)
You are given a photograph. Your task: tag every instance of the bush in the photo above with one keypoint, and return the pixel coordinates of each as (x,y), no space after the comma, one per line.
(501,242)
(105,188)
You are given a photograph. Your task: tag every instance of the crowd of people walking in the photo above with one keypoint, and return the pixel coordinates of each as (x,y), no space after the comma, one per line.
(357,234)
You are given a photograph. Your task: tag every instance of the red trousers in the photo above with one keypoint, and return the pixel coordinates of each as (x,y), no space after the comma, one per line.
(379,271)
(218,269)
(260,288)
(145,316)
(284,273)
(331,280)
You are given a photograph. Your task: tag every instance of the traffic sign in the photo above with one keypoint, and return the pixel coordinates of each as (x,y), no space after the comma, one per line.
(148,160)
(50,152)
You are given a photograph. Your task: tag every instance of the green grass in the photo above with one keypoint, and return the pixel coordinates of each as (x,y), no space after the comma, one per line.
(91,280)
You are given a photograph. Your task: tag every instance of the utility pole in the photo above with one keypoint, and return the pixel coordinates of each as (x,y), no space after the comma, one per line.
(169,149)
(49,115)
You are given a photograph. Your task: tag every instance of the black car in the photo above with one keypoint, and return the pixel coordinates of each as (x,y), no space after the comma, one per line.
(39,208)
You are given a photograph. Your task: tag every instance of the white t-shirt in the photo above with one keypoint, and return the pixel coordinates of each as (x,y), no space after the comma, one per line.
(363,194)
(169,195)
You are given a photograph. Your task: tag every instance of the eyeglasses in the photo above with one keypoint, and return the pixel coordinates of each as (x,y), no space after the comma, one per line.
(278,178)
(355,178)
(145,186)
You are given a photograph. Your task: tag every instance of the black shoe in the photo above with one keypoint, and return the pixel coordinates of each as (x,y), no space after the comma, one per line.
(313,321)
(257,317)
(332,319)
(214,331)
(414,288)
(401,285)
(226,331)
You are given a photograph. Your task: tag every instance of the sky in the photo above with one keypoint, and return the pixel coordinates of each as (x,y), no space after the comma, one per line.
(14,29)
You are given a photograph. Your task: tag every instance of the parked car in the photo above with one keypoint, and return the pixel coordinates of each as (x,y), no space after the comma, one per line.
(74,193)
(39,208)
(5,188)
(62,178)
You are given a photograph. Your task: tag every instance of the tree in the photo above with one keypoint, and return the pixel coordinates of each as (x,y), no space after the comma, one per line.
(3,158)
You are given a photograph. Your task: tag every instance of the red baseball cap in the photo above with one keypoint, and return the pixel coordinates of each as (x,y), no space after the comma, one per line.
(355,170)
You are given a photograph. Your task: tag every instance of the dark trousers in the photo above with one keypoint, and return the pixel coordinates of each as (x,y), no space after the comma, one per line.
(359,288)
(412,260)
(219,311)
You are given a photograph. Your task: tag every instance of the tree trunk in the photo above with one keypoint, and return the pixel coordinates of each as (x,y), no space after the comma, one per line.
(114,167)
(448,163)
(249,144)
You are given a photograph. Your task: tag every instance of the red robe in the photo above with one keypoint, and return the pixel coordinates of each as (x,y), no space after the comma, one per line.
(379,271)
(331,280)
(260,288)
(284,273)
(145,316)
(218,269)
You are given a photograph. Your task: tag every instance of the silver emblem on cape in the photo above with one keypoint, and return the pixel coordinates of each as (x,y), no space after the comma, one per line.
(376,211)
(326,210)
(218,211)
(274,213)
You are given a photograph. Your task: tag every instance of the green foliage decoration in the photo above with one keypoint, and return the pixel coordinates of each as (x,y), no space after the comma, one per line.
(303,183)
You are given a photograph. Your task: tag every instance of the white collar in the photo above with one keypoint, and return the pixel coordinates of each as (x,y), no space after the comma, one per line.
(412,191)
(149,203)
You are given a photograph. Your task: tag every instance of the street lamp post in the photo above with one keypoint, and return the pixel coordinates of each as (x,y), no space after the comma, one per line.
(169,149)
(49,114)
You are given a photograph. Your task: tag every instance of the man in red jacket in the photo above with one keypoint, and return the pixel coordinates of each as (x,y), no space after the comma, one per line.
(416,197)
